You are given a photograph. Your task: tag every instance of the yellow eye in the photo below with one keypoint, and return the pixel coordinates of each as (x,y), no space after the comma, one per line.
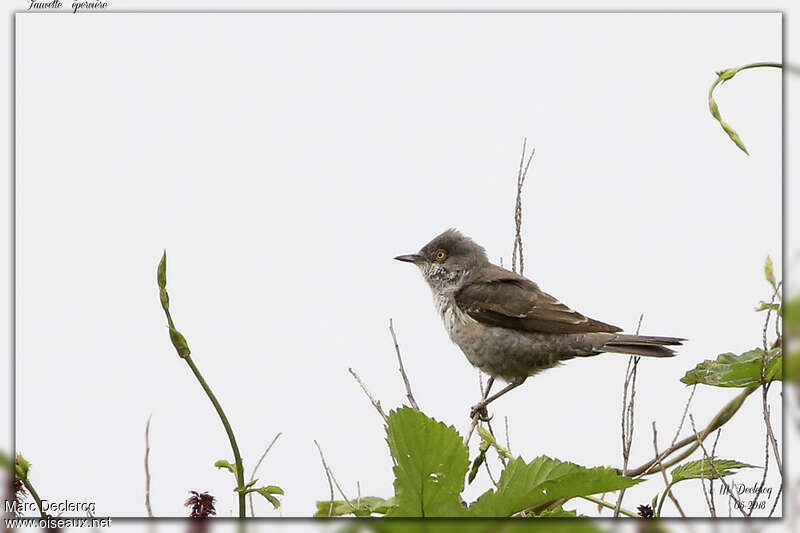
(440,255)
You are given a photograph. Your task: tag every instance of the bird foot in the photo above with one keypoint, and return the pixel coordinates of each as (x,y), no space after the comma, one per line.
(479,410)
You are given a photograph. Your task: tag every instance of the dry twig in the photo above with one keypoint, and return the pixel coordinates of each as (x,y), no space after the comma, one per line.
(375,403)
(664,473)
(627,416)
(330,475)
(731,493)
(258,464)
(409,395)
(521,175)
(147,468)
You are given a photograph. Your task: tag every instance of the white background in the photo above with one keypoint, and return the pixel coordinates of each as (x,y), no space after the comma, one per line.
(283,160)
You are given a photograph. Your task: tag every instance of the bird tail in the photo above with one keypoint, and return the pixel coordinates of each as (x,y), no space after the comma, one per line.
(645,345)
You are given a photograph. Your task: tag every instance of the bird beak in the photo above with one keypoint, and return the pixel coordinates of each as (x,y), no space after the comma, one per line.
(410,258)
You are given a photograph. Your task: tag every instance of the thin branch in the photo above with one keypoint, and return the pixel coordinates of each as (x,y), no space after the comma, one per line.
(253,475)
(765,361)
(683,416)
(147,467)
(627,415)
(409,395)
(328,474)
(664,473)
(720,419)
(603,503)
(372,399)
(731,493)
(763,478)
(508,441)
(775,503)
(471,429)
(521,175)
(713,508)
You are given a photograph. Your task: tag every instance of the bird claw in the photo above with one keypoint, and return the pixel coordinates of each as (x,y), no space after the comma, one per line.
(479,411)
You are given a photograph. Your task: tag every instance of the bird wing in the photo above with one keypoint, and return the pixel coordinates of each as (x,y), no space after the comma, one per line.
(502,298)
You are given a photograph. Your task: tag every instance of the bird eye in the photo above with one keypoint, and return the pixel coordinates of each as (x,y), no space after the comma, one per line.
(440,255)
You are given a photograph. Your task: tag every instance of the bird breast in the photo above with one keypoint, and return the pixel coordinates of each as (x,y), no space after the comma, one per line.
(452,315)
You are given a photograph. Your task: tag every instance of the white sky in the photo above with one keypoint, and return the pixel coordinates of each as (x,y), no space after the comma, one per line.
(284,159)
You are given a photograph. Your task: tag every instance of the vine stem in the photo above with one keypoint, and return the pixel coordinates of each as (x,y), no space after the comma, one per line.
(236,456)
(29,486)
(611,506)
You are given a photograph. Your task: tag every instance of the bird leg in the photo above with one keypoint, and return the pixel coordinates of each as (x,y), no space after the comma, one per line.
(480,408)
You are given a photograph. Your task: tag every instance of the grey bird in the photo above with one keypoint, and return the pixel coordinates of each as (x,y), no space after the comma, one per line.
(505,324)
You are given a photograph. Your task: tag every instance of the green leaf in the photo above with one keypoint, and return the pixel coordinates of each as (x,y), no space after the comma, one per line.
(769,273)
(271,489)
(524,485)
(489,439)
(793,367)
(267,492)
(792,316)
(22,467)
(222,463)
(703,469)
(368,506)
(763,306)
(431,465)
(477,525)
(559,512)
(476,464)
(731,370)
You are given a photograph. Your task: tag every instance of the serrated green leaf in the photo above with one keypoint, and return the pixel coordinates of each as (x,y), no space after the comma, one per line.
(731,370)
(368,506)
(704,469)
(524,485)
(431,465)
(477,525)
(222,463)
(769,272)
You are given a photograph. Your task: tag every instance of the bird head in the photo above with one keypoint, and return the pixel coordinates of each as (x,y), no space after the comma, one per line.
(447,259)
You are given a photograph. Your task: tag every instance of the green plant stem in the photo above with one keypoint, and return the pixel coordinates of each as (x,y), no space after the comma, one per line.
(663,497)
(725,75)
(611,506)
(720,78)
(236,456)
(29,486)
